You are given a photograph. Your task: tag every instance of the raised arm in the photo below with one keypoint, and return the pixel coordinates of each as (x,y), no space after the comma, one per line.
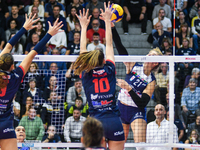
(106,16)
(28,25)
(51,32)
(84,21)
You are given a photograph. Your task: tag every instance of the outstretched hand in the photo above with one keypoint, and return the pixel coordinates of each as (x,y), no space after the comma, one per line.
(83,18)
(123,84)
(107,14)
(55,28)
(28,25)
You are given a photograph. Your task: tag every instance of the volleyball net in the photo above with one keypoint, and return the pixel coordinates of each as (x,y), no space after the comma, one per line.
(54,108)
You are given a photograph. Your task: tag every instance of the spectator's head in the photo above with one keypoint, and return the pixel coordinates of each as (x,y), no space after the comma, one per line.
(75,2)
(35,38)
(39,26)
(36,3)
(77,36)
(73,11)
(162,2)
(96,38)
(53,67)
(34,10)
(55,51)
(14,10)
(159,26)
(164,68)
(94,1)
(95,13)
(32,113)
(181,15)
(53,98)
(51,129)
(195,73)
(95,25)
(198,120)
(168,52)
(78,83)
(192,84)
(29,101)
(53,81)
(159,112)
(78,102)
(32,83)
(194,135)
(56,11)
(52,2)
(161,13)
(20,133)
(183,28)
(93,133)
(76,114)
(77,26)
(186,42)
(166,43)
(13,24)
(33,67)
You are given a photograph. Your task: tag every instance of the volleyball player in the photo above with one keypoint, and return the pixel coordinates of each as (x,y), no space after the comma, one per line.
(99,81)
(137,89)
(11,78)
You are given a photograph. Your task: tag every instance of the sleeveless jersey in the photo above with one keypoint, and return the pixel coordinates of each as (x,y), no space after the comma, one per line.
(138,81)
(7,94)
(99,85)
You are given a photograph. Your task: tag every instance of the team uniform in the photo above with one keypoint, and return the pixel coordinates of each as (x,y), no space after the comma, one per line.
(99,85)
(138,81)
(15,78)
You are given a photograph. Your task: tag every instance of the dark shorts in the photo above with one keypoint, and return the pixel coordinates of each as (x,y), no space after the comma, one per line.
(113,129)
(6,128)
(129,113)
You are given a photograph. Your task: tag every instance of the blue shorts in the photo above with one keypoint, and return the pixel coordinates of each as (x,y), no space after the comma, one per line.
(129,113)
(113,129)
(6,128)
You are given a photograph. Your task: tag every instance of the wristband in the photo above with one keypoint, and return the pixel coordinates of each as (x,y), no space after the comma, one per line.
(17,36)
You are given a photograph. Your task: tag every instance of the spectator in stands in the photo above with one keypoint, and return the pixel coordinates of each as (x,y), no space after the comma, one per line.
(35,10)
(20,134)
(54,16)
(39,6)
(166,22)
(95,43)
(39,30)
(180,21)
(71,33)
(180,5)
(51,136)
(49,8)
(78,105)
(193,138)
(159,35)
(183,32)
(196,30)
(71,19)
(16,110)
(25,107)
(161,82)
(160,126)
(179,126)
(134,11)
(33,125)
(76,91)
(73,48)
(26,4)
(2,39)
(35,40)
(76,4)
(185,49)
(94,4)
(15,15)
(164,6)
(190,99)
(194,125)
(166,46)
(195,74)
(73,127)
(194,10)
(95,28)
(95,15)
(59,42)
(4,9)
(17,49)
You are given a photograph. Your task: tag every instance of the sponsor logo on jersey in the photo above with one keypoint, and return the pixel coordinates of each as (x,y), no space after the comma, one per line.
(96,96)
(132,78)
(103,103)
(8,130)
(99,73)
(3,106)
(118,133)
(139,114)
(4,101)
(93,97)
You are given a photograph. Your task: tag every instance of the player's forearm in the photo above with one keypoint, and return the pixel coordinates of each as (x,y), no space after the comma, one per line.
(83,41)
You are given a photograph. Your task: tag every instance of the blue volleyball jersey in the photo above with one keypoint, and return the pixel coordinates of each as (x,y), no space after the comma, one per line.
(138,81)
(7,94)
(99,85)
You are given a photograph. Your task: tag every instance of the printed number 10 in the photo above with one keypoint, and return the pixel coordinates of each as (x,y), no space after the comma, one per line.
(98,85)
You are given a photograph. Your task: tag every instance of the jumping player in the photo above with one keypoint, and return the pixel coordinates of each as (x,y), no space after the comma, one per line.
(99,81)
(137,88)
(11,78)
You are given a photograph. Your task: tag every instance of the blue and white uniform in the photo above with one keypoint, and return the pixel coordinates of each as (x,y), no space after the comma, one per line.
(138,81)
(99,85)
(15,78)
